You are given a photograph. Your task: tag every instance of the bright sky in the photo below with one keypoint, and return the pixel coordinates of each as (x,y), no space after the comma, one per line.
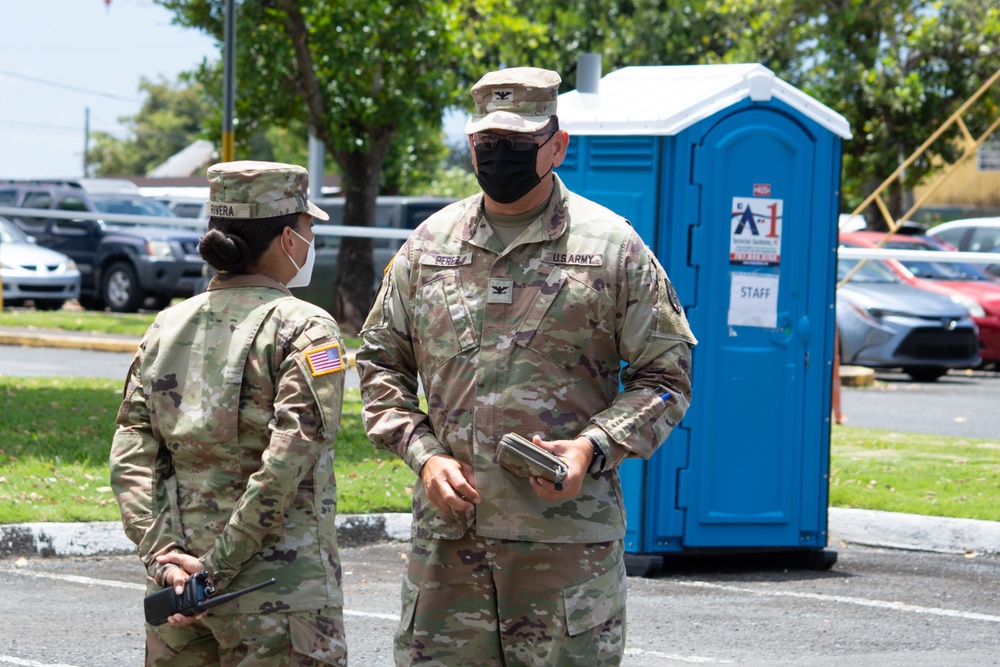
(61,57)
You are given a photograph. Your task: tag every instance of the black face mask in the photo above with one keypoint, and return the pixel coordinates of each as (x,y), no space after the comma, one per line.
(506,175)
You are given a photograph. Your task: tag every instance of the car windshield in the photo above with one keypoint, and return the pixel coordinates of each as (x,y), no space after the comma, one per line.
(132,206)
(938,270)
(871,271)
(11,234)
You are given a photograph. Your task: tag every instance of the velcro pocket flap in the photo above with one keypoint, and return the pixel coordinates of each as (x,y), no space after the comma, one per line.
(310,641)
(593,602)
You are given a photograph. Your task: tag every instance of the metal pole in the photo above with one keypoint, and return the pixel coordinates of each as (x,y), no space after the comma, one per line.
(229,75)
(86,140)
(316,167)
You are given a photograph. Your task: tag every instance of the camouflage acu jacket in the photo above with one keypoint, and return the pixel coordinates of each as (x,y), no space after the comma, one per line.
(532,339)
(224,447)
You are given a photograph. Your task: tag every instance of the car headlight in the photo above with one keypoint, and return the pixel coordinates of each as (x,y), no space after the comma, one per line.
(71,265)
(159,249)
(876,315)
(969,304)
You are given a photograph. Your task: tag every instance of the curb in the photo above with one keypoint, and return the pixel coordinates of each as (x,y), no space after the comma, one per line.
(106,538)
(889,530)
(914,532)
(856,376)
(39,339)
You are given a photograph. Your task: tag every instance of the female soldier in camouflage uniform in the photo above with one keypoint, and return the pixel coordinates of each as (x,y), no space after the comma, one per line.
(223,457)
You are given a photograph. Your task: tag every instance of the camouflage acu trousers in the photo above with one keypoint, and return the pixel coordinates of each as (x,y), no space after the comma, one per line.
(301,639)
(478,602)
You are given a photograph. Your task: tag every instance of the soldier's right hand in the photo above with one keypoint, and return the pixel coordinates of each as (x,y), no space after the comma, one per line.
(186,565)
(449,483)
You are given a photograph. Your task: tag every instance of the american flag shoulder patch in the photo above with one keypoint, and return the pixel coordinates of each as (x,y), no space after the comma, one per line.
(325,360)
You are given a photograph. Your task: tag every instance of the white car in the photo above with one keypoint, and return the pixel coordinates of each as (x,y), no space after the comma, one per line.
(971,235)
(29,271)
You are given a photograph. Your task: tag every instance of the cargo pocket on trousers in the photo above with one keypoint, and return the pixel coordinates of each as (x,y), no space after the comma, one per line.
(593,602)
(409,600)
(312,642)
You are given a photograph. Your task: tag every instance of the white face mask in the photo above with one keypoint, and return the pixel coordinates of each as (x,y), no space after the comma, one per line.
(304,275)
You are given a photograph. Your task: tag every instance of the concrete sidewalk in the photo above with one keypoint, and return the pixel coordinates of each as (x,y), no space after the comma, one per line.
(865,527)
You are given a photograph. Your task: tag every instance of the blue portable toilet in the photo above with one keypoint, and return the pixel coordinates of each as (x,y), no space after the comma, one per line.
(732,177)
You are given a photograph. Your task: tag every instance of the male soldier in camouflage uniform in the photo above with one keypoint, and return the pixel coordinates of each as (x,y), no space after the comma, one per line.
(223,457)
(519,310)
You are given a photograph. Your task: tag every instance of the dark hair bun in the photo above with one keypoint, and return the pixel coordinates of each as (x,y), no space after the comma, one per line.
(225,252)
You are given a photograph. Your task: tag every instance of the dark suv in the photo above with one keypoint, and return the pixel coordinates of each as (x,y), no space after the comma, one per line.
(123,266)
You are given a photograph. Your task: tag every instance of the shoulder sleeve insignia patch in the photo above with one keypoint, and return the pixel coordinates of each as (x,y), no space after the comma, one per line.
(325,360)
(675,302)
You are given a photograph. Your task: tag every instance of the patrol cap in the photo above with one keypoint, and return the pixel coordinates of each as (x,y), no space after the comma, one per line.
(249,189)
(519,99)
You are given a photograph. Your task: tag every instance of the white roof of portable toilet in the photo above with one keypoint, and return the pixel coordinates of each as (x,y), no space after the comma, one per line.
(664,100)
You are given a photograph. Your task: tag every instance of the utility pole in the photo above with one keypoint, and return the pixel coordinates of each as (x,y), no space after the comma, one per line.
(229,76)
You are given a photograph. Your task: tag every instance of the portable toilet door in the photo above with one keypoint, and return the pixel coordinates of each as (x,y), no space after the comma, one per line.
(740,207)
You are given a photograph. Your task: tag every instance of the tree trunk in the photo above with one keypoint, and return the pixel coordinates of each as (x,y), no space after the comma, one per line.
(360,169)
(353,286)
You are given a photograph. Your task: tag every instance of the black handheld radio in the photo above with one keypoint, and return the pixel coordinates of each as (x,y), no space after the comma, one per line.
(196,598)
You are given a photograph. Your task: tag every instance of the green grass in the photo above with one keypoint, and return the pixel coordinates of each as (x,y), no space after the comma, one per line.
(134,324)
(915,473)
(55,435)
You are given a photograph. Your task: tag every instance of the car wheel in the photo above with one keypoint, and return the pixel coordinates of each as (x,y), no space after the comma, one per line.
(49,304)
(120,288)
(929,374)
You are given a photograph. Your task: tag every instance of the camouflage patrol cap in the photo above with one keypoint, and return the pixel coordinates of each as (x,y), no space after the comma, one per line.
(519,99)
(248,189)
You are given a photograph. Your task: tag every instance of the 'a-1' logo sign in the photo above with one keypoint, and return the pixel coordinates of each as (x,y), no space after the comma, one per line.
(755,232)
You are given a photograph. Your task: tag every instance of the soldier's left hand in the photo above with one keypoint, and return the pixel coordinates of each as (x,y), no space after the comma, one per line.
(577,454)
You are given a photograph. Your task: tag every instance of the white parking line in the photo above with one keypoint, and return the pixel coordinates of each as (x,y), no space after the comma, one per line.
(371,614)
(11,660)
(72,578)
(90,581)
(862,602)
(677,658)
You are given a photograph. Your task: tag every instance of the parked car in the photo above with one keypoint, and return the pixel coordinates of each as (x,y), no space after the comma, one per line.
(390,213)
(122,266)
(971,235)
(884,323)
(187,207)
(967,284)
(30,272)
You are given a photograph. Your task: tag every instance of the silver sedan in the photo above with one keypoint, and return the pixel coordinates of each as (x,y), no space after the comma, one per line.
(29,271)
(884,323)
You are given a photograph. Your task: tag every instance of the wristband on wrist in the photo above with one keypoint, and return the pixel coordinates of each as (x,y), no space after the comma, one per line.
(596,463)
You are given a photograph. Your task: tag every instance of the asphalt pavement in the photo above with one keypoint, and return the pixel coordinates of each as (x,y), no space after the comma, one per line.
(863,527)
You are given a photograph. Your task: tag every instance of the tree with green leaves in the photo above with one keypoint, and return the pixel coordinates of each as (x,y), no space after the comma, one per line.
(171,118)
(359,74)
(896,69)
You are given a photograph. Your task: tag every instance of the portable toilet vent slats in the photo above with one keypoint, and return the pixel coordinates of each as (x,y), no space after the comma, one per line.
(732,176)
